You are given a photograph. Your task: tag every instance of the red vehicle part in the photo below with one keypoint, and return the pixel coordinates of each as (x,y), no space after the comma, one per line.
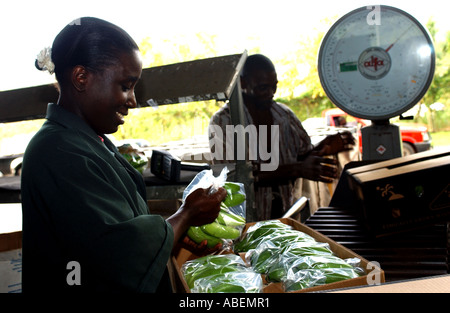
(414,138)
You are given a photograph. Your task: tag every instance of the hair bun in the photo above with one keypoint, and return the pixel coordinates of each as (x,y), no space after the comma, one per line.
(44,60)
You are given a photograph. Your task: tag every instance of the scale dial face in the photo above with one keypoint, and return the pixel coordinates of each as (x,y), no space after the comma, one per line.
(376,68)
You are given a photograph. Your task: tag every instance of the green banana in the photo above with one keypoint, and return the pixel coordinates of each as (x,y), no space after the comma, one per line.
(338,274)
(234,199)
(276,274)
(211,266)
(228,288)
(230,219)
(263,260)
(221,231)
(198,236)
(231,187)
(308,248)
(207,271)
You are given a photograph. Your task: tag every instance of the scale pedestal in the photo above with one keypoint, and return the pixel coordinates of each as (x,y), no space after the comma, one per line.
(381,141)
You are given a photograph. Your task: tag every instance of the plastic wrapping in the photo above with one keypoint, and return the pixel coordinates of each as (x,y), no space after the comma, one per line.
(267,254)
(220,273)
(292,257)
(274,231)
(232,282)
(315,273)
(298,272)
(231,220)
(263,256)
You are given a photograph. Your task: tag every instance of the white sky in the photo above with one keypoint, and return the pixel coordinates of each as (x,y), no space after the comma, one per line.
(28,26)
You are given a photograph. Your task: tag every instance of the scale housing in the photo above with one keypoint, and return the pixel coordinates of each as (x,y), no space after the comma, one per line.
(375,63)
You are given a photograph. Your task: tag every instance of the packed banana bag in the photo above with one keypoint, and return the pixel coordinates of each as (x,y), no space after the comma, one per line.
(231,220)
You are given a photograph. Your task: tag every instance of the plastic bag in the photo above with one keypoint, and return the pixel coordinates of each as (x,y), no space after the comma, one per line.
(267,254)
(310,277)
(293,257)
(292,263)
(273,230)
(206,179)
(231,220)
(220,273)
(314,270)
(245,281)
(211,265)
(308,248)
(263,256)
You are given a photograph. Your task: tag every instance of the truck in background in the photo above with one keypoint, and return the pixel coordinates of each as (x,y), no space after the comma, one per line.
(415,138)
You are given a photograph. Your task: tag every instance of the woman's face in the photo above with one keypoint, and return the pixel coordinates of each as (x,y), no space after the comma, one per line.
(110,93)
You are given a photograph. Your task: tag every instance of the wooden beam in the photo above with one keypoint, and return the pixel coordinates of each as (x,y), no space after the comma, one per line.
(26,103)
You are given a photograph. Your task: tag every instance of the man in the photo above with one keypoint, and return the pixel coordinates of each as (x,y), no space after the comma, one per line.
(274,189)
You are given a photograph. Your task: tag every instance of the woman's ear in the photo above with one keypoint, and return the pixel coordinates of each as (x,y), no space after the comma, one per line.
(79,77)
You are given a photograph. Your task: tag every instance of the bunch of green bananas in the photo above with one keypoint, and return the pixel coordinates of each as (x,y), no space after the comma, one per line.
(220,273)
(227,225)
(245,281)
(286,255)
(274,230)
(291,264)
(267,254)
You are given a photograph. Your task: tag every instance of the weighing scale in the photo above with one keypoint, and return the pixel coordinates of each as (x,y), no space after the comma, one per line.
(375,63)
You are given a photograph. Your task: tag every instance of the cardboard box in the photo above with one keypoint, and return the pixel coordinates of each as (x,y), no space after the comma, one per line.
(181,255)
(10,247)
(403,193)
(435,284)
(10,226)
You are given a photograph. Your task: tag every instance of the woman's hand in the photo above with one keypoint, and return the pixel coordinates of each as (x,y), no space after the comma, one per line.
(199,249)
(199,208)
(203,205)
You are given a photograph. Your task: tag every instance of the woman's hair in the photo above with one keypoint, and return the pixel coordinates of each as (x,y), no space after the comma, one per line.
(90,42)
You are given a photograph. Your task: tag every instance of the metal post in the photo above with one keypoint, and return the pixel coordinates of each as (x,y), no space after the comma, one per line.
(244,168)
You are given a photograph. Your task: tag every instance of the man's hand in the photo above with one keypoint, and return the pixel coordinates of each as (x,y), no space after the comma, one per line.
(333,144)
(318,168)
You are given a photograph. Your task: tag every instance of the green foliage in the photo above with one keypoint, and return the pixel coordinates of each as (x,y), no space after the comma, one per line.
(168,122)
(441,139)
(438,91)
(299,86)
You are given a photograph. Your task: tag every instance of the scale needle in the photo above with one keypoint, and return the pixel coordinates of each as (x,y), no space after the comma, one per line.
(389,48)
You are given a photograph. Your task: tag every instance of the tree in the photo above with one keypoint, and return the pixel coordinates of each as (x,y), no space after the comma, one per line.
(300,86)
(177,121)
(438,91)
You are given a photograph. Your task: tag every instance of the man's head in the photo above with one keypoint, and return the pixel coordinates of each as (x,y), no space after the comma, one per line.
(259,80)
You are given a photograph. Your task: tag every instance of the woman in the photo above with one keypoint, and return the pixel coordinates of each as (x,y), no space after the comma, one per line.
(86,225)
